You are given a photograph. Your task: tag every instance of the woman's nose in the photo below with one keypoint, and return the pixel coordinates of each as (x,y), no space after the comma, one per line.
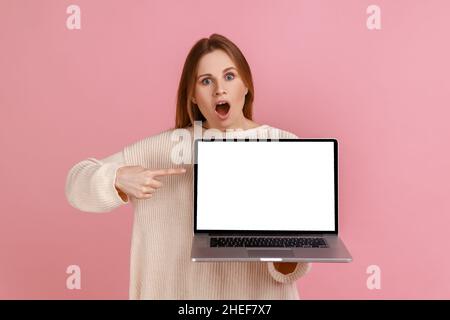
(220,90)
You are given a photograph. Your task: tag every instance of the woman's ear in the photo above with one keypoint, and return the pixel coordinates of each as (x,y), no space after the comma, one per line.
(193,101)
(246,91)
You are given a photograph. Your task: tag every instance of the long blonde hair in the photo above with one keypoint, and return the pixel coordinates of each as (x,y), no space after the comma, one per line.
(187,112)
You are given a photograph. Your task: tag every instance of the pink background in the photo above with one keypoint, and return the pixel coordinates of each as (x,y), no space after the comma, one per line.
(67,95)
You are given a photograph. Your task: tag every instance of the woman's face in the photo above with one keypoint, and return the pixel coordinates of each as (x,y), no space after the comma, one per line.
(218,81)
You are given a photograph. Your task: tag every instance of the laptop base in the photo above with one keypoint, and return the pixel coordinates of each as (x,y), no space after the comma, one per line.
(335,253)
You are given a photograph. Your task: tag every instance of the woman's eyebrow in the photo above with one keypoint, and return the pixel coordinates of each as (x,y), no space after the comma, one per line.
(208,74)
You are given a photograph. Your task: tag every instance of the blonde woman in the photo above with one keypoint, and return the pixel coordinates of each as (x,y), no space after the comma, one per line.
(215,91)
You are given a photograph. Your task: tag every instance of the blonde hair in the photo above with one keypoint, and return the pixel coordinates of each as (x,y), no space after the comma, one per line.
(187,112)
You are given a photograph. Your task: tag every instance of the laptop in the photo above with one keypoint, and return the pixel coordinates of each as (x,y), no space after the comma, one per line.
(266,200)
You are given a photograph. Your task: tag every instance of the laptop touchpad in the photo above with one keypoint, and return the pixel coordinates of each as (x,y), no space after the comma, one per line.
(271,253)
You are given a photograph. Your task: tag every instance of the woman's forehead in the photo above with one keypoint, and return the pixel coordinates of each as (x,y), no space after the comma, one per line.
(214,62)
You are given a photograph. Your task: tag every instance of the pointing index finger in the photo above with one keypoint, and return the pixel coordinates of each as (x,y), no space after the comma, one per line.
(170,171)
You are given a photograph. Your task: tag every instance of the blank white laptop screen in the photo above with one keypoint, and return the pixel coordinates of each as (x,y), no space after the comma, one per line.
(265,185)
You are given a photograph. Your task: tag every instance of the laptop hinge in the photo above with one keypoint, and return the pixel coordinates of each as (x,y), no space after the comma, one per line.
(218,234)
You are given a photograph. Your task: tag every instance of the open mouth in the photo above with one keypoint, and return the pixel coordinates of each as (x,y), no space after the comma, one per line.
(223,109)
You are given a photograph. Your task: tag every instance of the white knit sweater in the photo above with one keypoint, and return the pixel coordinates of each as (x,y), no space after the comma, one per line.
(161,267)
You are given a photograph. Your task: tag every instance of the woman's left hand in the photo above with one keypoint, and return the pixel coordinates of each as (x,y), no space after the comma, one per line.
(285,267)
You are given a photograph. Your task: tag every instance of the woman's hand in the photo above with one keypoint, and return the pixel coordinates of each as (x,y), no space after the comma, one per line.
(285,267)
(139,182)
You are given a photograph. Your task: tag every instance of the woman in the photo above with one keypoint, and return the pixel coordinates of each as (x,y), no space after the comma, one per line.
(216,91)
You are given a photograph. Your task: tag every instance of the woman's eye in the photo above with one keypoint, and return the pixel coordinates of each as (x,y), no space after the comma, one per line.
(228,76)
(203,81)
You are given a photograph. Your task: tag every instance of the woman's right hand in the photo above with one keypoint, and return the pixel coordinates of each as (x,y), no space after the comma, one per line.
(141,183)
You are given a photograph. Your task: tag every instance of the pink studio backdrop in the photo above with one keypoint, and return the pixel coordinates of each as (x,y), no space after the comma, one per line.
(67,95)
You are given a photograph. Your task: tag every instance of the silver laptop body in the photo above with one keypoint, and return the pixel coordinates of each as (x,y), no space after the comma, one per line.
(266,200)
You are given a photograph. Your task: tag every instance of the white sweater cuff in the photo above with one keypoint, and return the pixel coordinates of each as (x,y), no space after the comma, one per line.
(106,184)
(95,189)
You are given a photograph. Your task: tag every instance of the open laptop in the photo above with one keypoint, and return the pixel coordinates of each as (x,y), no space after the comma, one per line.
(266,200)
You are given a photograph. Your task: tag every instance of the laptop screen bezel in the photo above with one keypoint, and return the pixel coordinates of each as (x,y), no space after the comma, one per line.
(267,232)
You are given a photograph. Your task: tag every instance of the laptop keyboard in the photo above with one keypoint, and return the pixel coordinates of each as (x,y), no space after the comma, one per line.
(268,242)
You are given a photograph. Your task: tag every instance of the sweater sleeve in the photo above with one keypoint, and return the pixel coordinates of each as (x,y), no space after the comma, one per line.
(300,270)
(90,184)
